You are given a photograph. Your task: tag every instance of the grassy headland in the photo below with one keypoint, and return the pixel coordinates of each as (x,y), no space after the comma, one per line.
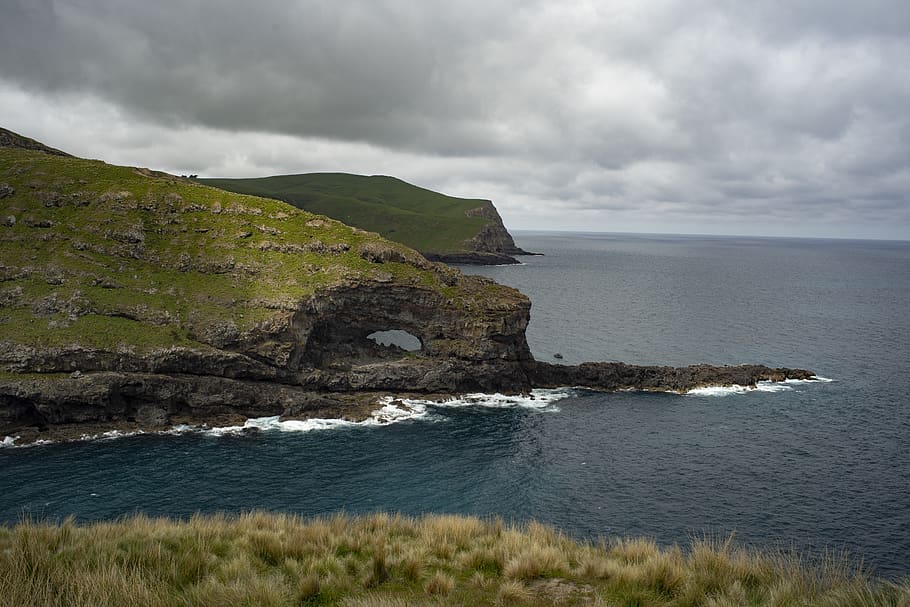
(389,561)
(109,256)
(422,219)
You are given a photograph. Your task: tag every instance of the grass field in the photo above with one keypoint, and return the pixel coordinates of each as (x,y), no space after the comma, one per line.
(422,219)
(385,560)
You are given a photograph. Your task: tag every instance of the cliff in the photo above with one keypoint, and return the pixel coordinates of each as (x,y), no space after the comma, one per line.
(442,228)
(130,298)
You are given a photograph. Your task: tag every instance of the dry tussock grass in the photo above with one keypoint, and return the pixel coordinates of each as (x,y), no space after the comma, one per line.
(386,560)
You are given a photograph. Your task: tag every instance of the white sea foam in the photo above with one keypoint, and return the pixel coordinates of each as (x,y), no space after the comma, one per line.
(10,441)
(762,386)
(717,390)
(391,411)
(540,400)
(111,434)
(394,410)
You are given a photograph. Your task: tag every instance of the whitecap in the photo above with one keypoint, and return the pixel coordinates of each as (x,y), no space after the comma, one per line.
(9,441)
(391,411)
(718,390)
(538,399)
(762,386)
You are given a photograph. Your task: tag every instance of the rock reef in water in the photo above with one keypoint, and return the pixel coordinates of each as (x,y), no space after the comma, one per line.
(134,299)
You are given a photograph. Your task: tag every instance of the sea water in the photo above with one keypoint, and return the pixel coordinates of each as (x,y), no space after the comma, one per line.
(813,465)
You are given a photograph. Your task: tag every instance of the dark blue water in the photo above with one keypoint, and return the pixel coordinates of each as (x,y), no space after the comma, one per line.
(821,465)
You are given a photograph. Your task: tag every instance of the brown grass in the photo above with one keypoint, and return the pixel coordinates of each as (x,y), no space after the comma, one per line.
(387,560)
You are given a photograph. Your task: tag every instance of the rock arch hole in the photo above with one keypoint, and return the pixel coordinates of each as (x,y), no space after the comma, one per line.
(397,338)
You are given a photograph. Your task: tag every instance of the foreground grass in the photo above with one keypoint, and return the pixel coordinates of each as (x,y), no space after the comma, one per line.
(386,561)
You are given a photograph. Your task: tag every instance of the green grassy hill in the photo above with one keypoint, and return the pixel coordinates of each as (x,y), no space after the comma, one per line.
(422,219)
(109,257)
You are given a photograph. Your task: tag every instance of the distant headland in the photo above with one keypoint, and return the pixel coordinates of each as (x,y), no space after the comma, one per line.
(442,228)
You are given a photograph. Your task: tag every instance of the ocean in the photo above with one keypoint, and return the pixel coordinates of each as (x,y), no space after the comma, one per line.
(819,466)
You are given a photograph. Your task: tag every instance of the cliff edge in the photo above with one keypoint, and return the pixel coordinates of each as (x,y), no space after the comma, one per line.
(133,299)
(442,228)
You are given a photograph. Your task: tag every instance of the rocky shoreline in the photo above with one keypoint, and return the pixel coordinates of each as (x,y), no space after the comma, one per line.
(131,299)
(92,404)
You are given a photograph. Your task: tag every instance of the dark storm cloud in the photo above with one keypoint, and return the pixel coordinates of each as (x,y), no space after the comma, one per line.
(620,114)
(351,70)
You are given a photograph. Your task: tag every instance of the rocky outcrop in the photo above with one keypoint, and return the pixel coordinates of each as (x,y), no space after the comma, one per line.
(620,376)
(9,139)
(493,238)
(319,362)
(493,245)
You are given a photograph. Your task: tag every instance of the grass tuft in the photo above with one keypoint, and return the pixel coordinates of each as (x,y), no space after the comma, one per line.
(439,584)
(390,560)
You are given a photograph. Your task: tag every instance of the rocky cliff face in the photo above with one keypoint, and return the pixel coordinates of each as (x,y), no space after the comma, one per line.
(136,299)
(317,360)
(493,245)
(128,296)
(494,238)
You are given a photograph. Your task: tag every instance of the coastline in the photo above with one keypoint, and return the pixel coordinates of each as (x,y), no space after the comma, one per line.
(367,408)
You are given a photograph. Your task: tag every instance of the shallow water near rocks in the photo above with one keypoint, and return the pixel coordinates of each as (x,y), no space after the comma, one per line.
(812,465)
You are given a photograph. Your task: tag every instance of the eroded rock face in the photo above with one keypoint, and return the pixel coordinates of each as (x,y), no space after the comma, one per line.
(322,348)
(319,361)
(493,238)
(493,245)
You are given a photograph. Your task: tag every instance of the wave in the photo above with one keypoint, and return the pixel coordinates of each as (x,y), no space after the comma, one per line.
(391,410)
(762,386)
(394,410)
(539,399)
(10,441)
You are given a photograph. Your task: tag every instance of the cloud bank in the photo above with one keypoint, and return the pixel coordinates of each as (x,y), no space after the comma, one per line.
(697,116)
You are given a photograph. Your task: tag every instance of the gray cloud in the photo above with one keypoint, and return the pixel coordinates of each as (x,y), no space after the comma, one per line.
(702,116)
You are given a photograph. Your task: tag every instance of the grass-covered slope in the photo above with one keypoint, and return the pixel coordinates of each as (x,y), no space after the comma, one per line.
(393,561)
(118,257)
(422,219)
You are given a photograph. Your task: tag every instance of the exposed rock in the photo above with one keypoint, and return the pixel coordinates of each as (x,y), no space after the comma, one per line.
(492,238)
(9,139)
(620,376)
(378,252)
(473,259)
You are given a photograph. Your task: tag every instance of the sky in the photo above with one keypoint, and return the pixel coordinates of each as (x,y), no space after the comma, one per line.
(776,118)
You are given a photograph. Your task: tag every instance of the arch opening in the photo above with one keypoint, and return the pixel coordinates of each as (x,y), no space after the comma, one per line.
(397,338)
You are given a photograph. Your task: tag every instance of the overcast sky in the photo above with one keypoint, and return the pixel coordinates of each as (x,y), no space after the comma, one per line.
(786,117)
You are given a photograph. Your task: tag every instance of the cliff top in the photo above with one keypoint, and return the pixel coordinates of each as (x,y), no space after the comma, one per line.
(433,223)
(9,139)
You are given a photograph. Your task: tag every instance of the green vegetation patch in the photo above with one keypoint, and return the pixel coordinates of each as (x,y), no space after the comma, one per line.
(106,256)
(422,219)
(390,560)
